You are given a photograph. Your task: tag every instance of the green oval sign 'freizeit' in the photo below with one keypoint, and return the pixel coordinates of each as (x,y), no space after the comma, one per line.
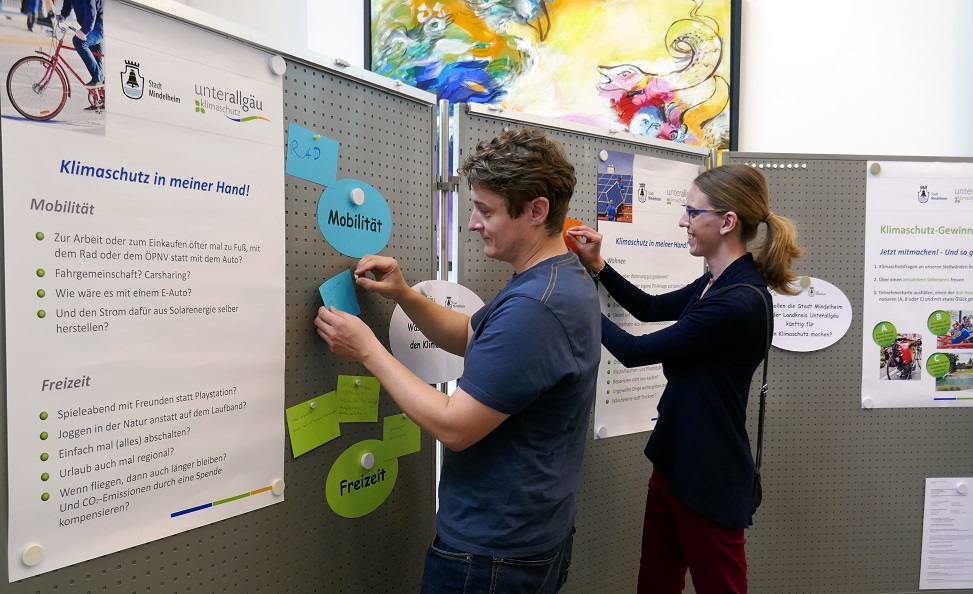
(353,490)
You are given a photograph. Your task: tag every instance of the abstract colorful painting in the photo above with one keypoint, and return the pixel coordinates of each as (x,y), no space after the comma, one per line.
(659,68)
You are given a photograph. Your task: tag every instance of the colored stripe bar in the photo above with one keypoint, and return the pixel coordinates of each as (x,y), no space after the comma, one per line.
(957,398)
(220,502)
(229,499)
(190,510)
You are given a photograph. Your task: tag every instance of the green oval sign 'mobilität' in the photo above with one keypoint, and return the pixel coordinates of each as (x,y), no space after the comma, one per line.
(354,491)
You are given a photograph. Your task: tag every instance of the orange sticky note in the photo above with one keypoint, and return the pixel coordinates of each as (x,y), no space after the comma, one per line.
(568,241)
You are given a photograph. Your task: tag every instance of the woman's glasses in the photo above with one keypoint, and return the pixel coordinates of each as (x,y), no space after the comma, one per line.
(692,213)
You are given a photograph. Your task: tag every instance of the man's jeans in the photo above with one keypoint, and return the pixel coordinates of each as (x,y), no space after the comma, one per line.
(86,47)
(451,571)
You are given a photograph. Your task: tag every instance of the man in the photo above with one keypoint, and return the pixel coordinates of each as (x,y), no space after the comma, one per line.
(88,37)
(516,426)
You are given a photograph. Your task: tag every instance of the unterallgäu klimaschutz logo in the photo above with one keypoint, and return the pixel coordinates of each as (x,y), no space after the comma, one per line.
(133,83)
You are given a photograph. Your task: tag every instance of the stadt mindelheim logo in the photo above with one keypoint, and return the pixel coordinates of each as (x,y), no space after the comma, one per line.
(133,83)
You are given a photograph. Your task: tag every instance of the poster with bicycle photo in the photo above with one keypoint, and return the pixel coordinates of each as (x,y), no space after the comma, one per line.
(131,254)
(918,305)
(55,66)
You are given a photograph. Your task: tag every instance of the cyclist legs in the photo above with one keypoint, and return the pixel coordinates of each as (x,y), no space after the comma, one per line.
(85,48)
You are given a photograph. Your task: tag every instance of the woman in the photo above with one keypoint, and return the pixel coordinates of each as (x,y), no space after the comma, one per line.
(700,493)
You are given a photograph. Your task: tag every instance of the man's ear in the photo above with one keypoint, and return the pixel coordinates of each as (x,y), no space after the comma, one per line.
(539,209)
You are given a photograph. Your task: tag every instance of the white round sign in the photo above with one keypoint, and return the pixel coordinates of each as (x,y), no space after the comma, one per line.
(411,347)
(814,319)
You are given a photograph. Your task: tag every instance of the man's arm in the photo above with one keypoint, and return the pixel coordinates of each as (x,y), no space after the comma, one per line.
(448,329)
(458,421)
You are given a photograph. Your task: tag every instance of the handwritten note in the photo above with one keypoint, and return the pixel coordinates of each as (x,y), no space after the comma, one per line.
(339,291)
(311,156)
(311,426)
(357,399)
(401,436)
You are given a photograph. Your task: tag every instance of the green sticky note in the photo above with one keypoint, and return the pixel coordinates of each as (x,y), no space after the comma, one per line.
(361,479)
(401,436)
(312,426)
(357,398)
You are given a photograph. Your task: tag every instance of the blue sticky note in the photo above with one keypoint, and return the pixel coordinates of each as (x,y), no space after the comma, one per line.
(354,229)
(310,158)
(339,291)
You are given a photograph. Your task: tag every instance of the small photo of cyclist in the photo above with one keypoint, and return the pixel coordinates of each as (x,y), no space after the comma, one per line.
(61,79)
(960,334)
(902,360)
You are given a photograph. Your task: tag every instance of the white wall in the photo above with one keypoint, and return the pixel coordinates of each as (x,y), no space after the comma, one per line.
(878,77)
(883,77)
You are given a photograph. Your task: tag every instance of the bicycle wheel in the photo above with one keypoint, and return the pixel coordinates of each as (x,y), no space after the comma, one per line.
(36,88)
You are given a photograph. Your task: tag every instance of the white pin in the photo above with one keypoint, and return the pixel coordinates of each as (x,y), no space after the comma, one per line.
(33,555)
(367,460)
(358,196)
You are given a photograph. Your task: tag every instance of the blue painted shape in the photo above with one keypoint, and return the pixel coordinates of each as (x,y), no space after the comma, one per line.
(351,229)
(310,159)
(339,291)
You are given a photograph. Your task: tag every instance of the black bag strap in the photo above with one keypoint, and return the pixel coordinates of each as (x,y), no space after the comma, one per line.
(763,384)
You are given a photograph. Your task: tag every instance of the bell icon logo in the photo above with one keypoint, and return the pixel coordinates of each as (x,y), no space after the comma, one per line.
(132,82)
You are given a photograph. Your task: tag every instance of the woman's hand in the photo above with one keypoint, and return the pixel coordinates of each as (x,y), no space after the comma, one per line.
(590,249)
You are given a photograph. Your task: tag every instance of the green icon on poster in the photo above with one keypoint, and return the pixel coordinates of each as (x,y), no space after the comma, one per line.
(884,334)
(938,365)
(938,322)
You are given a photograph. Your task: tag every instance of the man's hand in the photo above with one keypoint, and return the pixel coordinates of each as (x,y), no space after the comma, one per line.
(348,337)
(388,283)
(80,35)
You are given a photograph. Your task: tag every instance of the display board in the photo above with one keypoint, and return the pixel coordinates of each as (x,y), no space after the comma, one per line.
(615,473)
(302,543)
(843,485)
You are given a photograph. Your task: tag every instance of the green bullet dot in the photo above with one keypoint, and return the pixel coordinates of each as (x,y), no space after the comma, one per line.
(43,434)
(608,382)
(609,372)
(606,402)
(45,496)
(45,476)
(40,272)
(41,292)
(41,313)
(44,416)
(39,236)
(44,456)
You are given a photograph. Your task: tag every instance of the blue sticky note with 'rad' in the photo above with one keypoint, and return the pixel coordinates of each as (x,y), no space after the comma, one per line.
(339,292)
(311,156)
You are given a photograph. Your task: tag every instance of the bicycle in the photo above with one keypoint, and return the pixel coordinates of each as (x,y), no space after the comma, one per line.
(899,357)
(38,86)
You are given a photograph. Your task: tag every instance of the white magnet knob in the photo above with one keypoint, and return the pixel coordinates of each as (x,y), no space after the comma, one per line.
(358,196)
(278,487)
(33,555)
(875,168)
(357,382)
(367,460)
(962,488)
(601,432)
(868,403)
(603,155)
(314,405)
(278,66)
